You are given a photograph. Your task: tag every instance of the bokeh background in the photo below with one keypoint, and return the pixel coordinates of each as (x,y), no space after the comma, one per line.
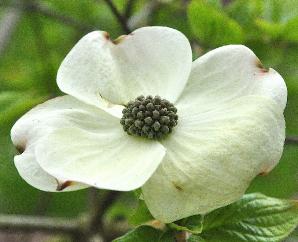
(36,35)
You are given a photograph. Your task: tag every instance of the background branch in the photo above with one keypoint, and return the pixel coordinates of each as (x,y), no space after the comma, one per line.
(143,16)
(34,6)
(292,140)
(181,236)
(121,18)
(48,12)
(35,223)
(99,203)
(77,228)
(128,8)
(8,24)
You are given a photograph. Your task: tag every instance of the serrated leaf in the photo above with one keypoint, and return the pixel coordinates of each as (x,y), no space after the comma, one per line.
(141,215)
(192,224)
(211,26)
(253,218)
(141,234)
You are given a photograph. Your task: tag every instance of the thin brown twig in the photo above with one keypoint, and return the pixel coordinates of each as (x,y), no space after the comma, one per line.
(226,2)
(292,140)
(128,8)
(77,228)
(121,18)
(33,6)
(9,22)
(35,223)
(100,205)
(181,236)
(143,16)
(42,203)
(44,10)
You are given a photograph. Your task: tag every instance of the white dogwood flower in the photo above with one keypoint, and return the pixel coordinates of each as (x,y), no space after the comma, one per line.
(105,134)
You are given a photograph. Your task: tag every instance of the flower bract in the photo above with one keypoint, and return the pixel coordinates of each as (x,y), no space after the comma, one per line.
(229,126)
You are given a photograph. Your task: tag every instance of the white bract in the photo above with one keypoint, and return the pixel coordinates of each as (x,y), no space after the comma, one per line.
(230,128)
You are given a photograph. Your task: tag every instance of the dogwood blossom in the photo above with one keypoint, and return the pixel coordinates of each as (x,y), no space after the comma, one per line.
(229,126)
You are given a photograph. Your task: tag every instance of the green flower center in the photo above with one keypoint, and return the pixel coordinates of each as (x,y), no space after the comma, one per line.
(150,117)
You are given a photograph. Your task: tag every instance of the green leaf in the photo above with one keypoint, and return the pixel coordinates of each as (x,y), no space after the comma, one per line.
(138,193)
(211,26)
(215,3)
(141,215)
(291,30)
(280,19)
(293,236)
(171,15)
(273,30)
(141,234)
(167,236)
(195,238)
(245,12)
(253,218)
(280,11)
(192,224)
(122,208)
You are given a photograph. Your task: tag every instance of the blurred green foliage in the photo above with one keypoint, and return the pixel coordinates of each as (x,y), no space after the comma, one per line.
(29,64)
(213,27)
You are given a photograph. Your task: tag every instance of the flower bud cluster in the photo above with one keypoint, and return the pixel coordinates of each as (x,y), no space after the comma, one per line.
(150,117)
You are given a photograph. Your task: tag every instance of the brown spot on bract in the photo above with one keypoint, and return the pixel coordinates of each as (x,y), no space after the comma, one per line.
(20,149)
(266,170)
(260,66)
(179,188)
(264,173)
(62,186)
(106,35)
(156,224)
